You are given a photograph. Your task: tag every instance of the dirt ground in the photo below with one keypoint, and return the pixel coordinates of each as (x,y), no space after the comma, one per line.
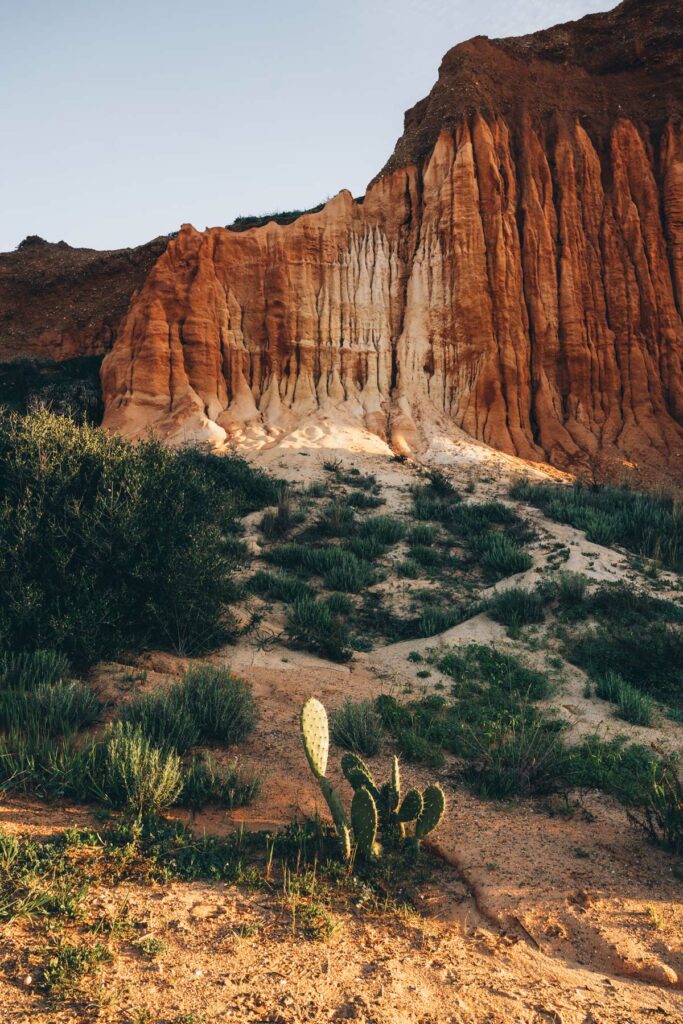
(539,916)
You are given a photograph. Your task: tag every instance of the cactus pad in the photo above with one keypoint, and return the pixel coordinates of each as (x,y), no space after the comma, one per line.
(315,736)
(432,812)
(395,789)
(364,821)
(357,773)
(412,806)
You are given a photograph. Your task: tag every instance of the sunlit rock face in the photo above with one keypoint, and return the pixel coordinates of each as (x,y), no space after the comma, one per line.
(516,269)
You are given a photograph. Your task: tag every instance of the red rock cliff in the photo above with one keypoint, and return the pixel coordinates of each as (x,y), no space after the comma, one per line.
(517,268)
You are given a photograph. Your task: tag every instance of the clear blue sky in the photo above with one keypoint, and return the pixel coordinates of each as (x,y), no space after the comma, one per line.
(121,119)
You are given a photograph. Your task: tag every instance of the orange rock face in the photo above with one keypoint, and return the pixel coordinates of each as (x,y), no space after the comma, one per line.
(518,271)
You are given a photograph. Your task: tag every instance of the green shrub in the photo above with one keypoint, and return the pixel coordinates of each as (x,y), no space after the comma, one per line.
(47,767)
(26,671)
(208,705)
(277,522)
(361,499)
(343,571)
(409,569)
(526,759)
(650,659)
(385,529)
(632,705)
(165,719)
(645,523)
(357,726)
(105,545)
(67,965)
(339,568)
(58,709)
(133,774)
(336,520)
(437,620)
(278,586)
(499,555)
(206,782)
(659,811)
(516,607)
(569,589)
(340,604)
(423,535)
(368,549)
(313,625)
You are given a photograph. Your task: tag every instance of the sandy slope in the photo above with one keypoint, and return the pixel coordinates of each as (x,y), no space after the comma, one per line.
(539,916)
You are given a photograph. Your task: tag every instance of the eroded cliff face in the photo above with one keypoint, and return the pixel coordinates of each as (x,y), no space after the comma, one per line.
(517,273)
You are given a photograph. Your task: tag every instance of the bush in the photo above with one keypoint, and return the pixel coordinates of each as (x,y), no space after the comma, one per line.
(384,529)
(632,706)
(659,812)
(58,709)
(650,659)
(209,705)
(409,569)
(278,586)
(280,520)
(368,549)
(423,535)
(645,523)
(516,607)
(28,670)
(361,499)
(336,520)
(339,568)
(106,546)
(313,625)
(206,782)
(356,726)
(47,767)
(427,557)
(499,555)
(527,759)
(133,774)
(437,620)
(569,589)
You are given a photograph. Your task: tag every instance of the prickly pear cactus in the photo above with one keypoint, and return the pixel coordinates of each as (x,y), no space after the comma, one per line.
(412,806)
(357,774)
(432,812)
(364,821)
(315,735)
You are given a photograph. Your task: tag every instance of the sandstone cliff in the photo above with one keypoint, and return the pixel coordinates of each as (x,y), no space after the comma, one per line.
(516,270)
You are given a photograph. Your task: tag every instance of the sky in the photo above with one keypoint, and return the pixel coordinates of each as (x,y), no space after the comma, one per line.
(121,120)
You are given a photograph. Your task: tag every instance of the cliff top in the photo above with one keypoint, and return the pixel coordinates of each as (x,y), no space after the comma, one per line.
(626,61)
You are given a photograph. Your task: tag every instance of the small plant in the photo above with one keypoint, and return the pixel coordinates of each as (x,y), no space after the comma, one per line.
(632,705)
(516,607)
(56,709)
(423,535)
(208,705)
(499,555)
(356,726)
(26,671)
(384,529)
(336,520)
(67,965)
(277,586)
(206,782)
(133,774)
(372,808)
(277,522)
(315,626)
(659,811)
